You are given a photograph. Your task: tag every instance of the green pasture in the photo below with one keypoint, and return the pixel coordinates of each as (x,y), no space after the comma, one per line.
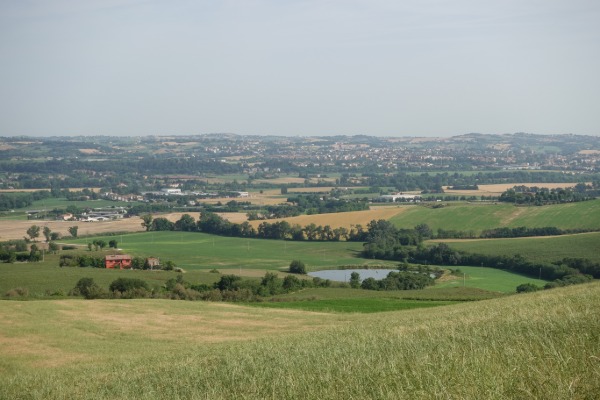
(494,280)
(434,293)
(16,216)
(479,216)
(542,249)
(193,250)
(47,277)
(364,305)
(535,346)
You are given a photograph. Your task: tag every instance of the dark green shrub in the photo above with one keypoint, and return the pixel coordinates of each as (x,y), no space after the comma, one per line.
(527,288)
(125,284)
(297,267)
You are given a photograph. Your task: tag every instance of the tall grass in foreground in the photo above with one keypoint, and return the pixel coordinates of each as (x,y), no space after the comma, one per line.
(544,345)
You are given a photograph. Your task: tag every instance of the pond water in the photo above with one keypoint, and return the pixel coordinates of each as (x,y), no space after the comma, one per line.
(343,275)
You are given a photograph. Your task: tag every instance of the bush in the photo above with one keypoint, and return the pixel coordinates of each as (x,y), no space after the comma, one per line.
(124,284)
(297,267)
(83,287)
(527,288)
(17,292)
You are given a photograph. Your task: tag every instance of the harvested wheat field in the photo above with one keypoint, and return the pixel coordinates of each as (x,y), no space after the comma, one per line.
(499,188)
(343,219)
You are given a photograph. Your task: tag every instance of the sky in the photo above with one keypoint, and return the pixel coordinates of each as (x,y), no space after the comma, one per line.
(299,67)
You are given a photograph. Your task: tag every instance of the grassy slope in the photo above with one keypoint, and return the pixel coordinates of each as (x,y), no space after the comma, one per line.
(537,346)
(465,217)
(546,249)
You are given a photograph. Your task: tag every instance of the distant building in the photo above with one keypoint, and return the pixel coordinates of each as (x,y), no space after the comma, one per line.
(399,197)
(65,217)
(121,261)
(169,191)
(152,262)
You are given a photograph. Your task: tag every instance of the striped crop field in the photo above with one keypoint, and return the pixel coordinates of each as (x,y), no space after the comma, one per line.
(539,249)
(477,217)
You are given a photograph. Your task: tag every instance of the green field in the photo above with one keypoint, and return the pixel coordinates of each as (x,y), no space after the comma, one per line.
(192,250)
(476,217)
(47,277)
(62,203)
(534,346)
(494,280)
(544,249)
(361,305)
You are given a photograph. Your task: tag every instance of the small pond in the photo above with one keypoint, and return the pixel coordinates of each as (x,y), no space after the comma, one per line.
(343,275)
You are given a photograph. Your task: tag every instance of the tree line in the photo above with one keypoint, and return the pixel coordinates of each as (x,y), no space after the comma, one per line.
(542,196)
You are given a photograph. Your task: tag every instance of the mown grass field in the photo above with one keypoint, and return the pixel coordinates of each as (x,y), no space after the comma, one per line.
(477,217)
(542,249)
(45,278)
(542,345)
(193,250)
(494,280)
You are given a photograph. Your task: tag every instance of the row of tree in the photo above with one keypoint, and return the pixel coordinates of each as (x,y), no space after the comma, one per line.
(215,224)
(442,254)
(543,196)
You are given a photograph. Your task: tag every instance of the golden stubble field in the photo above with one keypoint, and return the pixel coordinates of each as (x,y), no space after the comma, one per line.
(343,219)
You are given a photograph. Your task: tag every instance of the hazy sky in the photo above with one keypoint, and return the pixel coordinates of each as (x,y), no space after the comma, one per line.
(299,67)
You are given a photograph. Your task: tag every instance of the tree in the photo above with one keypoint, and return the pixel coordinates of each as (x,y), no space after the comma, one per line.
(47,232)
(53,247)
(125,284)
(186,223)
(73,230)
(291,283)
(147,221)
(270,284)
(85,286)
(99,244)
(297,267)
(112,244)
(162,224)
(228,282)
(34,254)
(33,232)
(424,230)
(355,280)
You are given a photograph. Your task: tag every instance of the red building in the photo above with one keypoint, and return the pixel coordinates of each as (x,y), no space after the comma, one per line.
(121,261)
